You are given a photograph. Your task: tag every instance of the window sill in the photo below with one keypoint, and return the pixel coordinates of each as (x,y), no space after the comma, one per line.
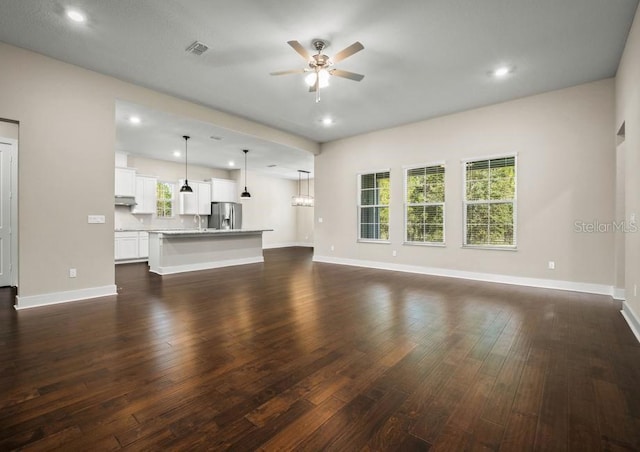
(384,242)
(435,244)
(490,248)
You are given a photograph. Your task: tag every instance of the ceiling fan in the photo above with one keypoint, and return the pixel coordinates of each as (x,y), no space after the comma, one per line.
(319,69)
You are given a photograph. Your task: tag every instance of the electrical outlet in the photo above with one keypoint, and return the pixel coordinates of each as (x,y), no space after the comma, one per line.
(332,248)
(394,253)
(73,273)
(95,219)
(552,265)
(320,220)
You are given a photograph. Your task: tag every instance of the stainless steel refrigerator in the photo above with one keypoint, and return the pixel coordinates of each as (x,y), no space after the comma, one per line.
(225,215)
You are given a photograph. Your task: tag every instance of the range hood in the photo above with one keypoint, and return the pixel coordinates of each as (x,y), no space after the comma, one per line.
(125,201)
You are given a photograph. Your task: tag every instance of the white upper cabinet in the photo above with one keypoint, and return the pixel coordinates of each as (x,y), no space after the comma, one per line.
(198,202)
(224,190)
(204,198)
(125,183)
(145,195)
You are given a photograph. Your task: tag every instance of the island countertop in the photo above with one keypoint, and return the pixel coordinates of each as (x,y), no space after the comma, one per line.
(205,232)
(177,251)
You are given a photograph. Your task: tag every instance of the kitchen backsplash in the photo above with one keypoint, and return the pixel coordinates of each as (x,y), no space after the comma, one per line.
(124,219)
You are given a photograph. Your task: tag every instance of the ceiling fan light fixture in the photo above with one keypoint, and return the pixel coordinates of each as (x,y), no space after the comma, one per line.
(322,74)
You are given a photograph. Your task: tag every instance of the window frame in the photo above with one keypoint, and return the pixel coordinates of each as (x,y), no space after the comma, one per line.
(359,207)
(513,201)
(172,200)
(406,170)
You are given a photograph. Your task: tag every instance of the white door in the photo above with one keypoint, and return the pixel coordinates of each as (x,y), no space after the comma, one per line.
(6,151)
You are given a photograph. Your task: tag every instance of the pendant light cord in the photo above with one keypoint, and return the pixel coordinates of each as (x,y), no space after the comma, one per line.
(186,158)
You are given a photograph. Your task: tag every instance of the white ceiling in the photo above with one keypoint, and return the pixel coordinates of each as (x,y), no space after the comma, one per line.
(159,134)
(422,58)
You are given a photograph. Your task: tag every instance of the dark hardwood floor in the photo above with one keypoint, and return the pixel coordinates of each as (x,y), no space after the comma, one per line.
(295,355)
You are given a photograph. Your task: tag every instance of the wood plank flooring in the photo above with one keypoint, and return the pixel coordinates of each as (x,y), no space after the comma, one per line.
(295,355)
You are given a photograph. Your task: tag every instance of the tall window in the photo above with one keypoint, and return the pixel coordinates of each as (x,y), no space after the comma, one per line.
(424,215)
(490,202)
(164,199)
(373,208)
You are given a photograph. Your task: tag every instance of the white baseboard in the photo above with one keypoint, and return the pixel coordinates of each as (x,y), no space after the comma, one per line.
(600,289)
(205,265)
(286,245)
(632,319)
(618,293)
(34,301)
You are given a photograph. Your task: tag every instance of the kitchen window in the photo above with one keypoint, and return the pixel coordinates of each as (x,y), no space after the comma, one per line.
(373,206)
(490,202)
(424,204)
(164,199)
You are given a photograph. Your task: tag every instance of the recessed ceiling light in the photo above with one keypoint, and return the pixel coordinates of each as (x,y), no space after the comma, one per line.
(232,163)
(134,120)
(327,121)
(176,153)
(502,71)
(76,16)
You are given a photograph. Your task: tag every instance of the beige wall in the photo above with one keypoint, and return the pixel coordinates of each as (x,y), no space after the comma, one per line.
(172,171)
(269,207)
(9,130)
(628,112)
(67,143)
(566,171)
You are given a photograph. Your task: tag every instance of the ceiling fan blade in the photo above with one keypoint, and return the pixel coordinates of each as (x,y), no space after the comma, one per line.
(301,50)
(289,71)
(353,48)
(346,74)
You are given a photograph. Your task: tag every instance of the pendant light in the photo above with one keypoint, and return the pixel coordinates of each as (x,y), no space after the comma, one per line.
(302,200)
(185,188)
(245,193)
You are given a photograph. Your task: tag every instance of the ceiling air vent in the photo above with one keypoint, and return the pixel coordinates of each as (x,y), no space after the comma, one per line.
(197,48)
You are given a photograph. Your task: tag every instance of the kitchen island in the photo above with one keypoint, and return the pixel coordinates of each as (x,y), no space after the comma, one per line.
(190,250)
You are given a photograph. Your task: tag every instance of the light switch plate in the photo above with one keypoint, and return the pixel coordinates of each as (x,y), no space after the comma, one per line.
(95,219)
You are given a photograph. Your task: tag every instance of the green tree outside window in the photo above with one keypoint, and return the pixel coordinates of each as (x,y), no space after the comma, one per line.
(490,194)
(424,220)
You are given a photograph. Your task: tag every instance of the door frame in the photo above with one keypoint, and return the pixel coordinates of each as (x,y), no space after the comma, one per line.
(13,194)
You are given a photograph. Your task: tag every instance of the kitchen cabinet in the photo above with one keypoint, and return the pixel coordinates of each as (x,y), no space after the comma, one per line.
(224,190)
(126,245)
(143,244)
(145,195)
(131,245)
(198,202)
(125,182)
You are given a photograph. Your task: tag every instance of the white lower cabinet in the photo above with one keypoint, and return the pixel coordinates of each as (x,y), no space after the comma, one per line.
(131,245)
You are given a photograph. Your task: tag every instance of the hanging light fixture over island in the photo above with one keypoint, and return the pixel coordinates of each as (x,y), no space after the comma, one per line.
(185,188)
(245,194)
